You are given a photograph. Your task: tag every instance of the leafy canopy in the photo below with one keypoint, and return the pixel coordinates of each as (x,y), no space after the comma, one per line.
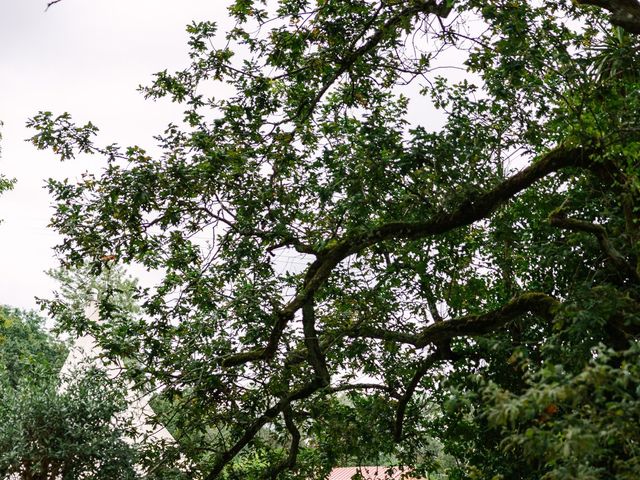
(343,278)
(53,426)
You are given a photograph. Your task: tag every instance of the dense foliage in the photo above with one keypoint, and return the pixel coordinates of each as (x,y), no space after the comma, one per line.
(408,221)
(25,347)
(53,426)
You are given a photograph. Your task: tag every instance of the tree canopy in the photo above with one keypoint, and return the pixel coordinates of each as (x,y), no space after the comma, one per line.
(408,221)
(53,426)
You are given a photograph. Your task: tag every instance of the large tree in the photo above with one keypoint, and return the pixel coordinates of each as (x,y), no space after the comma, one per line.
(408,220)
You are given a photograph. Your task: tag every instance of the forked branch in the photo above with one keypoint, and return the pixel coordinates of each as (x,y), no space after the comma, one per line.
(475,208)
(559,219)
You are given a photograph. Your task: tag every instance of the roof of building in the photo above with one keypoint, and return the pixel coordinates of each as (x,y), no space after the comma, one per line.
(370,473)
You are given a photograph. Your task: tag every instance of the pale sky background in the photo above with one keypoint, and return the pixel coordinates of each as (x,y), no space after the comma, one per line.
(86,57)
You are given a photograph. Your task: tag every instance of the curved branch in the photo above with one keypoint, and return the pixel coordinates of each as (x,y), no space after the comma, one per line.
(403,402)
(290,461)
(624,13)
(51,4)
(362,386)
(467,326)
(251,431)
(472,325)
(442,332)
(559,219)
(475,208)
(281,407)
(316,357)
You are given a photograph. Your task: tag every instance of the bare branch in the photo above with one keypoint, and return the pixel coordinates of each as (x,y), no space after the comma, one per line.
(51,3)
(403,402)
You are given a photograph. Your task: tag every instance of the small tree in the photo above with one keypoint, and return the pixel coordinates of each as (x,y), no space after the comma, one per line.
(52,427)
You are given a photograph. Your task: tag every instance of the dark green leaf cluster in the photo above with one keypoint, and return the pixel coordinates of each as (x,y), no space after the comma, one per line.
(52,426)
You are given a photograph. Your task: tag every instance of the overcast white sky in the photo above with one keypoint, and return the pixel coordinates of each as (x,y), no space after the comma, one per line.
(86,57)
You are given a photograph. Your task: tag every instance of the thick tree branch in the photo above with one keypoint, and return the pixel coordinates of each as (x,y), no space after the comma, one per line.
(290,461)
(362,386)
(472,325)
(467,326)
(315,355)
(474,208)
(624,13)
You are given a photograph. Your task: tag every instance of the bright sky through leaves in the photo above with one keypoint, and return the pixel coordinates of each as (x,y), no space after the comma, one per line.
(87,58)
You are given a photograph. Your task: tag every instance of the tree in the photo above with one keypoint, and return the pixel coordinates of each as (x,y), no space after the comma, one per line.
(315,243)
(25,347)
(113,291)
(56,426)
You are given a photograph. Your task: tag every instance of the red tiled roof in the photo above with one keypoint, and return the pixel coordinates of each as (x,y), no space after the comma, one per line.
(369,473)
